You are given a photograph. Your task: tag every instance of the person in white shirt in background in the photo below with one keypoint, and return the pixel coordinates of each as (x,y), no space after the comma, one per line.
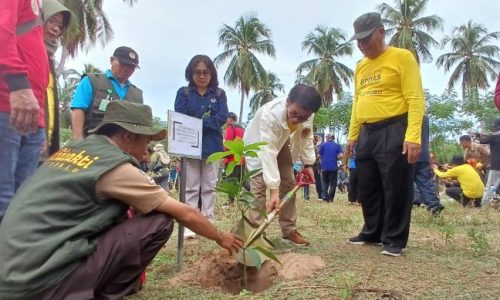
(285,124)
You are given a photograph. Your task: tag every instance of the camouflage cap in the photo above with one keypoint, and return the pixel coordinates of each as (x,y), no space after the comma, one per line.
(133,117)
(365,25)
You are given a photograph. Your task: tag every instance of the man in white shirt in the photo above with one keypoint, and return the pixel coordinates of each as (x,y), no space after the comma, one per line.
(285,124)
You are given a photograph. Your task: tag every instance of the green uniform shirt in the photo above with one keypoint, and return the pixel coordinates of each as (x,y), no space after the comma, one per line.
(54,219)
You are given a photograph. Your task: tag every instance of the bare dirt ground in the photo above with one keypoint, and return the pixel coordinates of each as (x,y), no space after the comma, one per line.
(455,256)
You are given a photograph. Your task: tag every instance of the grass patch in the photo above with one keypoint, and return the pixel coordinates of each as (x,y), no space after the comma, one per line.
(454,256)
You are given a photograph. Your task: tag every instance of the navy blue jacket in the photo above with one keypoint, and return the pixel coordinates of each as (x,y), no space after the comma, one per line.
(215,110)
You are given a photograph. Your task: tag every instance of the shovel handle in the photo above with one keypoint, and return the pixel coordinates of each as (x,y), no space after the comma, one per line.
(270,217)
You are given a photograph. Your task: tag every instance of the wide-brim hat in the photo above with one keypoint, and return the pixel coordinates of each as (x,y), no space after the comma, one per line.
(133,117)
(365,25)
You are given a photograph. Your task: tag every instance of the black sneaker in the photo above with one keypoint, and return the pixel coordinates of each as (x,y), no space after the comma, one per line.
(359,241)
(436,210)
(391,250)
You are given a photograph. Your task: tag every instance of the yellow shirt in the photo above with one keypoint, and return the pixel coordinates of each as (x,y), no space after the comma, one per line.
(469,180)
(385,87)
(51,90)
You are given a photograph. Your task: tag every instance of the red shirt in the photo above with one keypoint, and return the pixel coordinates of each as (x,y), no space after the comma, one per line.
(23,59)
(497,93)
(232,132)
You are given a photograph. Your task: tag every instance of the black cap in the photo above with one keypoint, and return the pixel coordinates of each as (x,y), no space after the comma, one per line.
(232,116)
(366,25)
(127,55)
(458,160)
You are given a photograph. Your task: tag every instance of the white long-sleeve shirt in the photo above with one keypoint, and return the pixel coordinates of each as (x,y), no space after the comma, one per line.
(269,125)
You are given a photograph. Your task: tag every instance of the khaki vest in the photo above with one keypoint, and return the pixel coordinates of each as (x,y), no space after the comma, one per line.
(54,220)
(103,89)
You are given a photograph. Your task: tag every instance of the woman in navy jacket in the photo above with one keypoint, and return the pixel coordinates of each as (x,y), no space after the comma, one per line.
(203,99)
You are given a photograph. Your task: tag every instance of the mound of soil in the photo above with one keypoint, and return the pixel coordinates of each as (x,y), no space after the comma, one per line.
(219,270)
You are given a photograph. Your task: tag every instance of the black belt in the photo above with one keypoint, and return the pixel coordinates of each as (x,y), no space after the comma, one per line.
(384,123)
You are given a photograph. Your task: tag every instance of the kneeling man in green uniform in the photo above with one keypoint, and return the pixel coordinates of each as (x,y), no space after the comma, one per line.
(65,236)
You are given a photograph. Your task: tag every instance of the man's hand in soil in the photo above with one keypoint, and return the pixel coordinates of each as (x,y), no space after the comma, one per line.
(24,110)
(274,201)
(230,241)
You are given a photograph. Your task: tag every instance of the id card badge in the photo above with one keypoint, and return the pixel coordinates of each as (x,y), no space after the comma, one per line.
(104,103)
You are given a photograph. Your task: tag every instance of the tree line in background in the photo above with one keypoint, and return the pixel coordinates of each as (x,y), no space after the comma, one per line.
(472,62)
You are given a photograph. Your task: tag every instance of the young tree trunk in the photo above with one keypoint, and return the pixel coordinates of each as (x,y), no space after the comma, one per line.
(242,103)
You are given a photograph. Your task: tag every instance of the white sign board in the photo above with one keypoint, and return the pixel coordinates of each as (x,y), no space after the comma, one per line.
(184,135)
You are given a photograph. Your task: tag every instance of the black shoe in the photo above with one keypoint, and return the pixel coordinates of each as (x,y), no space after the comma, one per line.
(436,210)
(391,250)
(359,241)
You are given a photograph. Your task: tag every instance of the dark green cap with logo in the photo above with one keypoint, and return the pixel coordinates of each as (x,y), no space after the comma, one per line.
(133,117)
(366,25)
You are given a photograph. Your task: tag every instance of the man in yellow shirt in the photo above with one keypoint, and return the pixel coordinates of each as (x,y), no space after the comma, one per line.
(471,186)
(385,127)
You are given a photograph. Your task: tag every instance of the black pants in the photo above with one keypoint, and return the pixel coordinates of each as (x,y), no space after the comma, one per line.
(319,183)
(352,188)
(385,183)
(329,185)
(113,270)
(457,194)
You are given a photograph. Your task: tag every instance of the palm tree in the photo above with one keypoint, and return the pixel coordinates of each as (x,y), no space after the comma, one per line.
(244,71)
(474,57)
(265,91)
(89,26)
(66,89)
(327,74)
(91,69)
(409,29)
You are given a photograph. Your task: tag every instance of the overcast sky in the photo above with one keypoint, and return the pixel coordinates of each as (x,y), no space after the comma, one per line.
(167,34)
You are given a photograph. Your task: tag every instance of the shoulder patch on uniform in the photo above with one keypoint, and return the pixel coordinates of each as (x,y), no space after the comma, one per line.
(305,132)
(149,178)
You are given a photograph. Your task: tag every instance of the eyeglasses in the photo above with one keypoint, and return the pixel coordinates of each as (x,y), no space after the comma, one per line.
(299,117)
(54,22)
(204,73)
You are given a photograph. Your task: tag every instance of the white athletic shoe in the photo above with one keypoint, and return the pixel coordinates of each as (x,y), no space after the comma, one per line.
(188,234)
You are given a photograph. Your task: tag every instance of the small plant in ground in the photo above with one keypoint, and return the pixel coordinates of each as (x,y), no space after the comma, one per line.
(345,282)
(448,230)
(234,188)
(480,243)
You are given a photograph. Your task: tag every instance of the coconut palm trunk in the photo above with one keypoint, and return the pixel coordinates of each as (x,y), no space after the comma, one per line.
(242,102)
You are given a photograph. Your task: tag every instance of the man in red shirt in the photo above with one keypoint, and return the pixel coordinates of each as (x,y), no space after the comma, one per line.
(497,93)
(233,131)
(24,77)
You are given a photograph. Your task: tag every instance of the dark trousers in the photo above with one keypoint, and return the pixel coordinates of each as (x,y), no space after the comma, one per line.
(457,194)
(319,184)
(423,180)
(329,185)
(113,270)
(306,192)
(236,174)
(352,187)
(385,183)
